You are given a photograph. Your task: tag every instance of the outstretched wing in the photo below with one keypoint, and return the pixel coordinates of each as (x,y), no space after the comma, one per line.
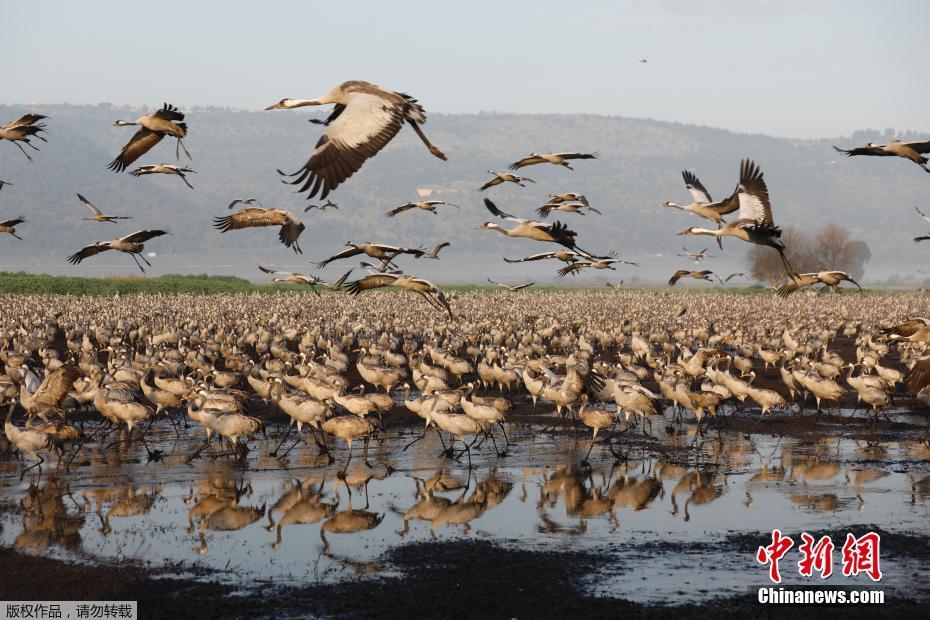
(367,124)
(14,222)
(249,218)
(169,112)
(378,280)
(88,251)
(678,275)
(920,147)
(289,233)
(495,211)
(142,236)
(92,208)
(753,195)
(794,284)
(25,120)
(865,150)
(139,145)
(694,185)
(346,253)
(919,376)
(56,385)
(526,161)
(534,257)
(578,155)
(400,209)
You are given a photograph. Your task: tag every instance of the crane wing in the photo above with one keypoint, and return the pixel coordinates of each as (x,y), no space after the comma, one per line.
(289,233)
(25,120)
(698,192)
(526,161)
(92,208)
(249,218)
(56,385)
(753,195)
(678,275)
(140,143)
(495,211)
(88,251)
(14,222)
(169,112)
(919,376)
(367,124)
(920,147)
(400,209)
(865,150)
(378,280)
(346,253)
(141,236)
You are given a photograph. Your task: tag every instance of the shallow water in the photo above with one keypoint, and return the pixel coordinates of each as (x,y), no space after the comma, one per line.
(663,519)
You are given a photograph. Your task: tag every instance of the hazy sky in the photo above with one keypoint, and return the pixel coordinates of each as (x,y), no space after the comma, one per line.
(799,68)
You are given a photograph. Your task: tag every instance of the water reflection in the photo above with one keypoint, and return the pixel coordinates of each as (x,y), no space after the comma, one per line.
(47,521)
(290,521)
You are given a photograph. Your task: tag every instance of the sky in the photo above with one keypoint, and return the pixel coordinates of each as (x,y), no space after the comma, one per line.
(791,68)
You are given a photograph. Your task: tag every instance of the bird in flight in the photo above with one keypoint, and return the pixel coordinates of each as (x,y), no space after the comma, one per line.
(696,257)
(735,274)
(505,177)
(554,199)
(565,207)
(896,148)
(556,232)
(434,253)
(701,203)
(250,217)
(830,278)
(329,204)
(697,275)
(165,169)
(9,226)
(365,118)
(926,217)
(22,129)
(425,205)
(295,278)
(130,244)
(755,223)
(380,251)
(244,201)
(512,289)
(152,128)
(98,216)
(558,159)
(426,289)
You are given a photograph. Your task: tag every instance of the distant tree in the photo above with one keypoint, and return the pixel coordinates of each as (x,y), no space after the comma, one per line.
(830,248)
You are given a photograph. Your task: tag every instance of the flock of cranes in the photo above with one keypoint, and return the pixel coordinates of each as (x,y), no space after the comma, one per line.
(228,365)
(365,118)
(211,364)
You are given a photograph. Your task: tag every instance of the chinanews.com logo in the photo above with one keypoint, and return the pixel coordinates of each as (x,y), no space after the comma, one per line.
(858,555)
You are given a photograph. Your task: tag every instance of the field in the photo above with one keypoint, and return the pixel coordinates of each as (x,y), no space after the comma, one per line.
(532,519)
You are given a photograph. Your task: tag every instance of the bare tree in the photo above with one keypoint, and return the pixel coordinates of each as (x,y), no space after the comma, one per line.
(830,248)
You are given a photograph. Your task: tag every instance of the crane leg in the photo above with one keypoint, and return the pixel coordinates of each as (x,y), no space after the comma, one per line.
(281,443)
(432,149)
(38,464)
(342,474)
(141,268)
(23,150)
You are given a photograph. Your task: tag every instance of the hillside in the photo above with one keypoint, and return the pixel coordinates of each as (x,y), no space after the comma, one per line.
(235,154)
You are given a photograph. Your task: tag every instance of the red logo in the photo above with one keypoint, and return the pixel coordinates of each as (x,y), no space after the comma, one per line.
(773,553)
(860,555)
(817,556)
